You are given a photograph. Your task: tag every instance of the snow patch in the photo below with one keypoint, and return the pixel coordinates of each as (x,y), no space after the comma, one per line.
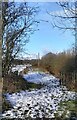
(38,103)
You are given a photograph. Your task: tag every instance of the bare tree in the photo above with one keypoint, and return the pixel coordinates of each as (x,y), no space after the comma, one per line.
(66,19)
(18,24)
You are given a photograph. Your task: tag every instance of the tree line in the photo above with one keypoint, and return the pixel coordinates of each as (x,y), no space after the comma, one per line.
(63,66)
(53,63)
(56,63)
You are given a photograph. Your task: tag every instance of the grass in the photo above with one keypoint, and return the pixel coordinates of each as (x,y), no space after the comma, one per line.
(5,105)
(67,108)
(12,84)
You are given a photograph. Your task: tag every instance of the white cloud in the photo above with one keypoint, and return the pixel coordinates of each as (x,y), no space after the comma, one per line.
(62,13)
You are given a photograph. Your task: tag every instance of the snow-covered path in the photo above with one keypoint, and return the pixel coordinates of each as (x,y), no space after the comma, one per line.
(38,103)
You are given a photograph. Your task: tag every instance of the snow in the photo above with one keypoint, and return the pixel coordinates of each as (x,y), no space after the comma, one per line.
(20,68)
(38,77)
(38,103)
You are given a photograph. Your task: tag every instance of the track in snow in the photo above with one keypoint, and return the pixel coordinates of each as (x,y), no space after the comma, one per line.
(38,103)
